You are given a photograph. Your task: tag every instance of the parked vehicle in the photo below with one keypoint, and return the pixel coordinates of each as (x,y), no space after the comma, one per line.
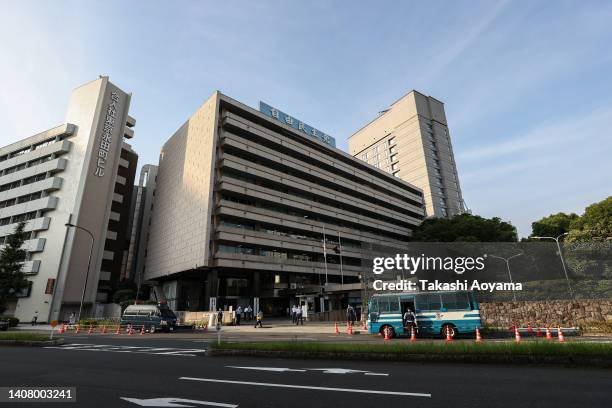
(437,313)
(152,317)
(4,324)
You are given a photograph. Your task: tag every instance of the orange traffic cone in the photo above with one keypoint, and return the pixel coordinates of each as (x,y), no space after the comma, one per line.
(548,334)
(350,330)
(90,330)
(364,327)
(448,335)
(412,335)
(560,335)
(337,331)
(387,335)
(118,332)
(62,329)
(538,331)
(104,329)
(529,328)
(142,330)
(76,329)
(517,335)
(130,330)
(478,338)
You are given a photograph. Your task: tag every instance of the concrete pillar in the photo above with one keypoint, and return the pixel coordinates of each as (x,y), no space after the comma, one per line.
(210,290)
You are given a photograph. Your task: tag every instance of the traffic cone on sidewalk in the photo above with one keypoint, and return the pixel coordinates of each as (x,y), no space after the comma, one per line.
(548,334)
(478,338)
(130,330)
(529,328)
(90,330)
(142,331)
(349,329)
(517,335)
(538,331)
(62,329)
(412,335)
(560,335)
(386,333)
(448,335)
(76,329)
(336,329)
(364,327)
(104,329)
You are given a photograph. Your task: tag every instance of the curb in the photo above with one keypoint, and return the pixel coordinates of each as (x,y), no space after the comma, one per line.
(31,343)
(582,361)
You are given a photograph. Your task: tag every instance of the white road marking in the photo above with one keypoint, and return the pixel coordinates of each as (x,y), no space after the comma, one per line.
(174,402)
(307,387)
(131,349)
(323,370)
(276,369)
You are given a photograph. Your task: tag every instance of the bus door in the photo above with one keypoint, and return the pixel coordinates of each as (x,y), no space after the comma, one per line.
(406,303)
(428,312)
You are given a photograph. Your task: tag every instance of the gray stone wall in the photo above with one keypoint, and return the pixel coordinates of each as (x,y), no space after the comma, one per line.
(568,313)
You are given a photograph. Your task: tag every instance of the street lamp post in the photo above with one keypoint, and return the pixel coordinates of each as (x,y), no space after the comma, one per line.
(507,261)
(556,239)
(88,265)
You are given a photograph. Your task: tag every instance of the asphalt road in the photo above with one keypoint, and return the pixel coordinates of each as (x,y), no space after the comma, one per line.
(107,370)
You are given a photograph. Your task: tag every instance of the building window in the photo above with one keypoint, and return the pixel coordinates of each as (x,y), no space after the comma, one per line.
(394,166)
(443,212)
(392,149)
(396,173)
(394,157)
(391,141)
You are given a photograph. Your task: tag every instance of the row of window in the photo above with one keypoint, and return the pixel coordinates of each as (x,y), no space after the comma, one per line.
(18,218)
(29,149)
(21,166)
(21,199)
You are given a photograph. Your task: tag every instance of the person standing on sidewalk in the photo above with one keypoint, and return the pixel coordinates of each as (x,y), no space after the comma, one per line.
(238,315)
(35,318)
(351,316)
(298,316)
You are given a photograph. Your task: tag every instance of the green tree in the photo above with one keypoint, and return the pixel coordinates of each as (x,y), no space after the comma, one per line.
(465,228)
(553,225)
(12,256)
(594,225)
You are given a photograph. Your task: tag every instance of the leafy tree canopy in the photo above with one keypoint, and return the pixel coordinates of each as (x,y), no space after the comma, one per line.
(465,228)
(553,225)
(594,225)
(12,257)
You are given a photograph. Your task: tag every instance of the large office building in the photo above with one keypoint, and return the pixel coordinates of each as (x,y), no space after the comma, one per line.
(411,140)
(79,173)
(257,207)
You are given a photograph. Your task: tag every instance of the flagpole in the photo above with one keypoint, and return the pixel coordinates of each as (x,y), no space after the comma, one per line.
(325,254)
(340,248)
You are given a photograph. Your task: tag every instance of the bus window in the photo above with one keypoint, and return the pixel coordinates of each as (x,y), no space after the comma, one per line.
(428,301)
(383,304)
(455,301)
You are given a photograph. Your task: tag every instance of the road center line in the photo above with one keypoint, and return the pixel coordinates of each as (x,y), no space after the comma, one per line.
(306,387)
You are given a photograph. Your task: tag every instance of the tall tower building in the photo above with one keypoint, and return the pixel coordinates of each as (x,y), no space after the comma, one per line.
(411,140)
(72,186)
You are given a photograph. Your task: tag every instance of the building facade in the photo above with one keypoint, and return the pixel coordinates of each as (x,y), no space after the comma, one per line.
(411,140)
(79,173)
(252,207)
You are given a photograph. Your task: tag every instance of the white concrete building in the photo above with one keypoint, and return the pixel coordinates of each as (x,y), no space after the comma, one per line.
(80,172)
(411,140)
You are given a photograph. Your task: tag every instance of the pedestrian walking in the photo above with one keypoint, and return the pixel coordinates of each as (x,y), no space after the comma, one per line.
(249,313)
(259,321)
(72,319)
(409,319)
(238,315)
(35,318)
(293,314)
(219,319)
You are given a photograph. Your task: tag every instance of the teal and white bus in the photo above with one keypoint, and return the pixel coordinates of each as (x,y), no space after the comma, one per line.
(436,313)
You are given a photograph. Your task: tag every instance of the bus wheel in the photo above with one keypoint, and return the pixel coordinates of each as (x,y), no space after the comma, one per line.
(152,329)
(451,330)
(387,327)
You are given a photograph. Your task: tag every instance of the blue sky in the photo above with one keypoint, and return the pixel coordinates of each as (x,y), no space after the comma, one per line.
(527,85)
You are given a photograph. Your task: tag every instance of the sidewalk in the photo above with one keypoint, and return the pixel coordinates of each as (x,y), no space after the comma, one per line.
(286,327)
